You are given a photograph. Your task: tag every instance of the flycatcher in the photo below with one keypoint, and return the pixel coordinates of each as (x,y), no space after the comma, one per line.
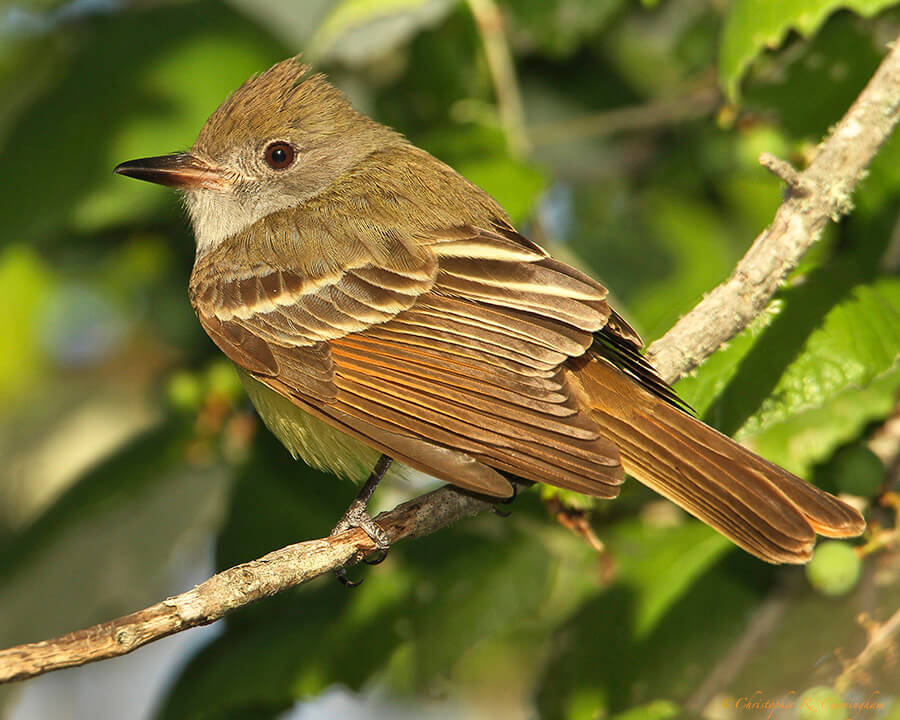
(380,307)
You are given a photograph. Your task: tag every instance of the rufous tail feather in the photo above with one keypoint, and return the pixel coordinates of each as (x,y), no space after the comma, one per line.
(761,507)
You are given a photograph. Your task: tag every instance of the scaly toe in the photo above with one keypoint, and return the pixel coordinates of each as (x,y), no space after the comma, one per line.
(378,558)
(357,517)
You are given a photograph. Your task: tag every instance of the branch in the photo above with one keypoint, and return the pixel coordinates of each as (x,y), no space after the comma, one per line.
(236,587)
(819,193)
(827,185)
(881,640)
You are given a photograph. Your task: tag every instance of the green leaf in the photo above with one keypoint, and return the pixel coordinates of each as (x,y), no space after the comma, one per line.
(663,53)
(357,31)
(858,340)
(281,19)
(110,103)
(302,640)
(600,663)
(703,389)
(656,710)
(440,68)
(827,393)
(854,468)
(835,64)
(662,563)
(881,185)
(692,267)
(488,588)
(810,436)
(756,25)
(411,621)
(811,372)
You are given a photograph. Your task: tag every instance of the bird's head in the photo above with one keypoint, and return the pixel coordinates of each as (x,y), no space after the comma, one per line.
(280,139)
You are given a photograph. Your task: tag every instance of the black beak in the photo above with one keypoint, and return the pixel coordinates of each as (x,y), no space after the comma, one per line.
(182,171)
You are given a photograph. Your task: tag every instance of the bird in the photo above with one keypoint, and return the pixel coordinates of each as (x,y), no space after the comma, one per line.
(383,310)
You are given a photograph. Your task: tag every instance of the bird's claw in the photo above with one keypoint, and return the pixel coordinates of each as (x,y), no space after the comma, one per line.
(507,501)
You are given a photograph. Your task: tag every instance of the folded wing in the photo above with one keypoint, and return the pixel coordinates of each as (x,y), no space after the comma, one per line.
(447,353)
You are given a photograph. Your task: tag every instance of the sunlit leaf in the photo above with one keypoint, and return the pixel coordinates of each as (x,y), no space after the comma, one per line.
(810,435)
(858,340)
(756,25)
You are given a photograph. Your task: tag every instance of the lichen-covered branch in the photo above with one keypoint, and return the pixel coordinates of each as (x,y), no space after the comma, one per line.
(820,193)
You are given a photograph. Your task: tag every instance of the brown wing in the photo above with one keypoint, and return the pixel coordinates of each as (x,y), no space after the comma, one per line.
(449,357)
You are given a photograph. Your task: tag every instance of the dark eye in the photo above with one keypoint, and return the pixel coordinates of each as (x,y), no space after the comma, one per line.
(279,155)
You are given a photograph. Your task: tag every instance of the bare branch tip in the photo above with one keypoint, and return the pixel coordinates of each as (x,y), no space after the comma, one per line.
(786,172)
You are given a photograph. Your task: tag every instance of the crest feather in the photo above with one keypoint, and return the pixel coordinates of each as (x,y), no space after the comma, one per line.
(288,96)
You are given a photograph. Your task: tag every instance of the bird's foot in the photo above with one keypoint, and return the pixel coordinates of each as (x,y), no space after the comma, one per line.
(358,517)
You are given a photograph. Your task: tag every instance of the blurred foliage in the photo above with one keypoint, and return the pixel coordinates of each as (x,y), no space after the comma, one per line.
(755,25)
(127,441)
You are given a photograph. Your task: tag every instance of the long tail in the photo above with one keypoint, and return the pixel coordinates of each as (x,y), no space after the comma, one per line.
(764,509)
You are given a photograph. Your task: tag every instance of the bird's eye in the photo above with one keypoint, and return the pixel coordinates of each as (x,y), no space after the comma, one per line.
(279,155)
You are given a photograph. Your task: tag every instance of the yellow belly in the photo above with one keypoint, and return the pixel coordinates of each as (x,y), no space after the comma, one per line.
(312,440)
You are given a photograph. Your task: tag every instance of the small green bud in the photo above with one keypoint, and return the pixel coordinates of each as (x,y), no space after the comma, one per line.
(834,569)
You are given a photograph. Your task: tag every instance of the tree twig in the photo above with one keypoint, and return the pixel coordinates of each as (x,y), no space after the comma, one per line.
(489,20)
(783,169)
(662,113)
(881,639)
(727,310)
(827,186)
